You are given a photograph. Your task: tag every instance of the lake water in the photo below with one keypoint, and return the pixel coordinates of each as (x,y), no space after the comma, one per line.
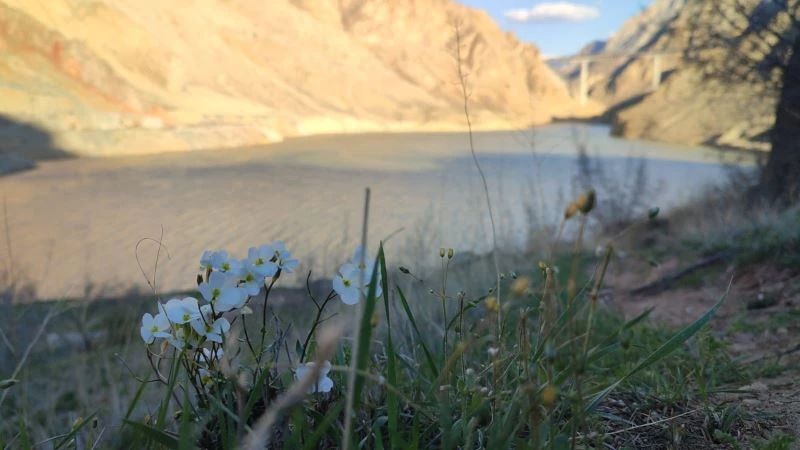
(78,221)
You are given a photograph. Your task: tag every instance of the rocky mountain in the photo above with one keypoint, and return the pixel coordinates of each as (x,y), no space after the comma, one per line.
(110,77)
(687,107)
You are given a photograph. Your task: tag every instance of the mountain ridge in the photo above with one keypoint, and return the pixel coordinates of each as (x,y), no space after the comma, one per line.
(130,77)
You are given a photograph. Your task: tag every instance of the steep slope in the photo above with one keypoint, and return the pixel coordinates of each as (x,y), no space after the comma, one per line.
(109,77)
(616,78)
(690,108)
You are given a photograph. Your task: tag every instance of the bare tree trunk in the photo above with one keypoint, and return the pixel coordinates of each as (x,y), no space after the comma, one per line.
(781,177)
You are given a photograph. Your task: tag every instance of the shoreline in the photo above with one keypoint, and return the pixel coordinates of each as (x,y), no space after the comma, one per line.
(12,163)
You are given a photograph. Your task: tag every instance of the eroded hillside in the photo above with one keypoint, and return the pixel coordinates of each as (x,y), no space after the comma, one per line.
(109,77)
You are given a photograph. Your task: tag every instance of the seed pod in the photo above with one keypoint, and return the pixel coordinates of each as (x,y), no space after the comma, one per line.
(652,213)
(450,253)
(5,384)
(441,252)
(585,202)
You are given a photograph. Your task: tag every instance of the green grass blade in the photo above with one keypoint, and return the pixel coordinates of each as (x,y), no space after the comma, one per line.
(470,305)
(668,347)
(365,336)
(133,404)
(186,425)
(154,434)
(323,427)
(391,357)
(258,387)
(428,358)
(24,439)
(173,378)
(68,438)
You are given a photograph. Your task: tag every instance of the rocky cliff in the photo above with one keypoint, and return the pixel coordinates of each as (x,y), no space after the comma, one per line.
(109,77)
(688,107)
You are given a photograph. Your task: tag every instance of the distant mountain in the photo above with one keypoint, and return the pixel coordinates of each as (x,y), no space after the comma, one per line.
(112,77)
(687,108)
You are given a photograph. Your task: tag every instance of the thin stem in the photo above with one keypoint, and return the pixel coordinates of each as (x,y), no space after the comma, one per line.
(444,309)
(462,77)
(317,321)
(264,317)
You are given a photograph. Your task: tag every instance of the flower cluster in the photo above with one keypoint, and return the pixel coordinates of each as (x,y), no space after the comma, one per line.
(226,285)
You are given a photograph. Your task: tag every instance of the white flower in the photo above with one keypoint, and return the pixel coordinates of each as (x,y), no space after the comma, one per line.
(178,339)
(259,260)
(205,325)
(323,384)
(207,356)
(251,280)
(283,258)
(347,281)
(154,327)
(182,311)
(220,290)
(213,260)
(367,268)
(346,284)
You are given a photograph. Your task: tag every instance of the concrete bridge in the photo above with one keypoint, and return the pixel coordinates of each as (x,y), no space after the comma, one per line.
(585,61)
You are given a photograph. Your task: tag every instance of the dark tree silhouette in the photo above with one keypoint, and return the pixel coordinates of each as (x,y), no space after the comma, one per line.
(757,41)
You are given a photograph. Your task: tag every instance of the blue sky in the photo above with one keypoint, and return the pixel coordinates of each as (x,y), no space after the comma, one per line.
(560,27)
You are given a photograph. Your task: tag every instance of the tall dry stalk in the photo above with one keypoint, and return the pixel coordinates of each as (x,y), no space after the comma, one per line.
(462,79)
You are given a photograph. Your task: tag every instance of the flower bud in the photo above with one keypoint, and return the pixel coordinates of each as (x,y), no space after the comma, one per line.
(450,253)
(491,304)
(520,286)
(549,395)
(571,210)
(441,252)
(652,213)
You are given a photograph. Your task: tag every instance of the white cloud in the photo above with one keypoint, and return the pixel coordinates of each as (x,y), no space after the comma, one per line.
(553,12)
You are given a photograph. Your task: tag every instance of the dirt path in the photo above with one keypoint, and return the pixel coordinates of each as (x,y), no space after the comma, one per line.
(758,321)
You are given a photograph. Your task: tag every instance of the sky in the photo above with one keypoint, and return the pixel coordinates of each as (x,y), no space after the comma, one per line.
(560,28)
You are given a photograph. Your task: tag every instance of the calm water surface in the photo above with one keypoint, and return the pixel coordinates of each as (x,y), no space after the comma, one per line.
(78,221)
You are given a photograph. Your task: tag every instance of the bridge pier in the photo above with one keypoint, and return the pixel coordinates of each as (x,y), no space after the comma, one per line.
(657,71)
(583,88)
